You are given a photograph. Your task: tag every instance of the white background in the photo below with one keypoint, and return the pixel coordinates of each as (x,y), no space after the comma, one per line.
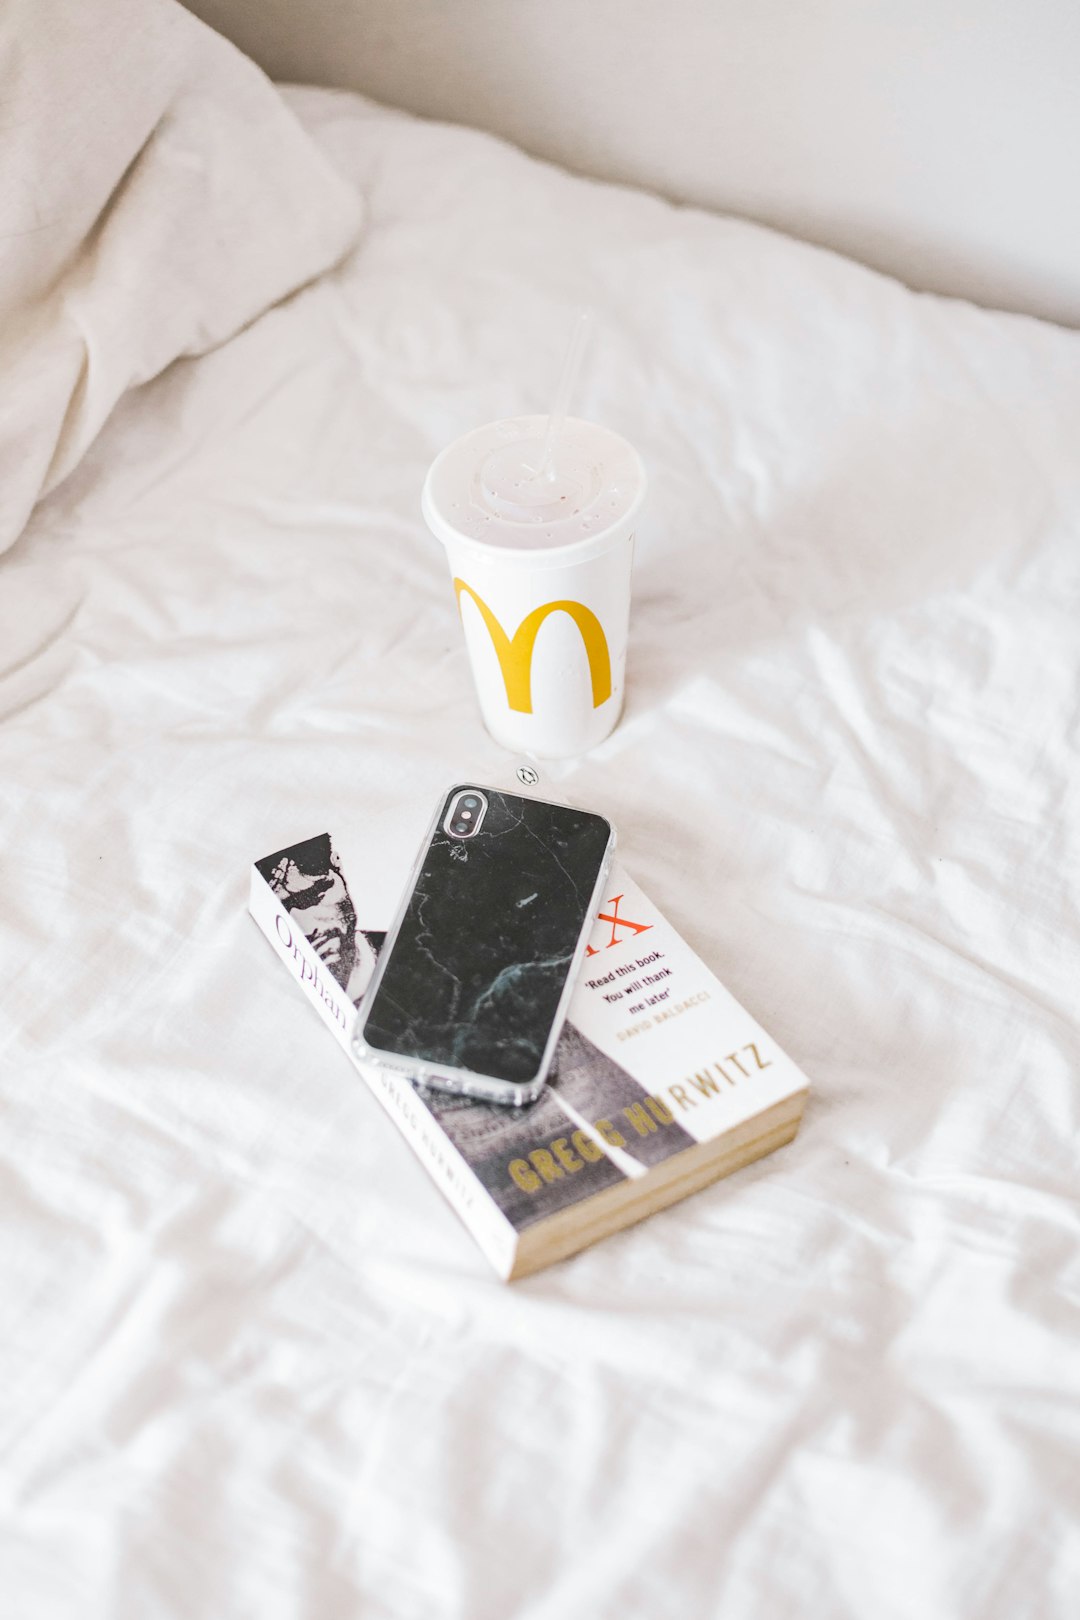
(935,139)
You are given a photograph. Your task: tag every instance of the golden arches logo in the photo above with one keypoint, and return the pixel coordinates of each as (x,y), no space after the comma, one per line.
(515,653)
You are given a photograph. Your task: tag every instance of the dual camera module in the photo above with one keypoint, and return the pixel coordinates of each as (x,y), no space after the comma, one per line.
(467,810)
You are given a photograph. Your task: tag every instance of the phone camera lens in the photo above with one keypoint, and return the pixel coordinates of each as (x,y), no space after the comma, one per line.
(466,814)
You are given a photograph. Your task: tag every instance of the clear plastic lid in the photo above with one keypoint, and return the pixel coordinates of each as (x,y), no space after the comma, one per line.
(492,489)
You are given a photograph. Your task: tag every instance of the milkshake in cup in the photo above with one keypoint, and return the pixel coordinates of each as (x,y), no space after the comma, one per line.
(537,516)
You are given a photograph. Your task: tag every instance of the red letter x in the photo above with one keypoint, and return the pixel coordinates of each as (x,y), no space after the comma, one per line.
(616,921)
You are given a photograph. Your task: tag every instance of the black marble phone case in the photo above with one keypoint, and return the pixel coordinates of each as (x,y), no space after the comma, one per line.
(480,960)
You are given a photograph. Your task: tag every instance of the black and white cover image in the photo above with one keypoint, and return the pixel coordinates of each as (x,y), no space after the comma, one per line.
(309,882)
(594,1125)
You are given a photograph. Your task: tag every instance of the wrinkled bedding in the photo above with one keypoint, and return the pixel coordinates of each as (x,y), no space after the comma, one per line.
(251,1364)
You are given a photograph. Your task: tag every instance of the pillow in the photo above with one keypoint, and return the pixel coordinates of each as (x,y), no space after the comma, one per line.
(155,195)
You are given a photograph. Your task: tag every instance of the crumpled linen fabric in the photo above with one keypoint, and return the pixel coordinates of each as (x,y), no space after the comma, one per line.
(251,1362)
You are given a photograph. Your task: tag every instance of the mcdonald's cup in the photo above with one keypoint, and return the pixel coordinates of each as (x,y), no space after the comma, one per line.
(541,552)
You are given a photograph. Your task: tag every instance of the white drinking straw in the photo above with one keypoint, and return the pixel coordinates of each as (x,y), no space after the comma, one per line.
(567,384)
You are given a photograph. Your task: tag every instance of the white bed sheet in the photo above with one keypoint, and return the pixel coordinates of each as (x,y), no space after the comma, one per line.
(251,1364)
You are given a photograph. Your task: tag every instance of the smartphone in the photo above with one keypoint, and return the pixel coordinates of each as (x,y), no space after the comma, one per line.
(480,962)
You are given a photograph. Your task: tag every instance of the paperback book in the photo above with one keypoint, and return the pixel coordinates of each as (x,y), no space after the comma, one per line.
(662,1082)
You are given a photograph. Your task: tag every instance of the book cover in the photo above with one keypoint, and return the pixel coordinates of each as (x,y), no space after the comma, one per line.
(662,1081)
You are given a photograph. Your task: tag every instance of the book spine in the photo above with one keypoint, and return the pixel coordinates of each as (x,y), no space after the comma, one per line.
(440,1158)
(321,989)
(445,1165)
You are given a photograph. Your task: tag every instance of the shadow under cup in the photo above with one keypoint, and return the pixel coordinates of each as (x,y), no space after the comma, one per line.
(541,558)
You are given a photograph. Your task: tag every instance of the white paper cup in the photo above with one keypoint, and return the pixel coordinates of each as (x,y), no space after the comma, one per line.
(541,567)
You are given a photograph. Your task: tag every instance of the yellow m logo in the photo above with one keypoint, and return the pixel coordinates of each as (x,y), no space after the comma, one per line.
(515,654)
